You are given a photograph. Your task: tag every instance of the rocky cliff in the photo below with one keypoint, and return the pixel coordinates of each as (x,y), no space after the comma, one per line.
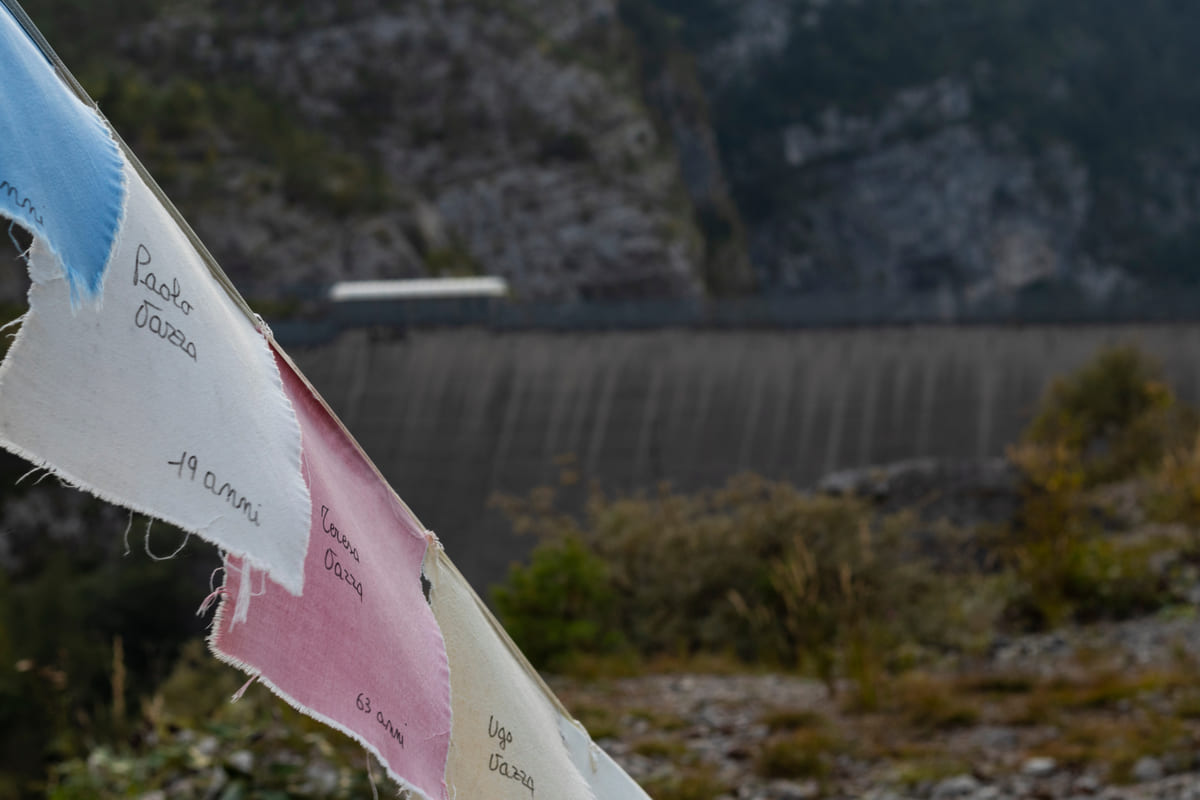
(627,148)
(329,140)
(966,146)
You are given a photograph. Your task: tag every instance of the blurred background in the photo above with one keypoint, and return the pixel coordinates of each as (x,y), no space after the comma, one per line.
(849,350)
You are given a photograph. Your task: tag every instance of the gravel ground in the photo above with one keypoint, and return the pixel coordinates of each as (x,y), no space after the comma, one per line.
(714,728)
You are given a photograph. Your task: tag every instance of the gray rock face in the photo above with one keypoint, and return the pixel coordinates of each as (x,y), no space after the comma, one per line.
(964,492)
(946,210)
(604,149)
(517,131)
(851,177)
(916,198)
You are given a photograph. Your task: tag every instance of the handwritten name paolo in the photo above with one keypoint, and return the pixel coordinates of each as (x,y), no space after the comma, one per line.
(150,316)
(498,763)
(188,467)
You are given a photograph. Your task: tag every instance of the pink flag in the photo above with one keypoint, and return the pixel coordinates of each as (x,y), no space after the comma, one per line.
(360,649)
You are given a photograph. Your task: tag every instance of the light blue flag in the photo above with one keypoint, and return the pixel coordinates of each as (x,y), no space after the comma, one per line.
(60,169)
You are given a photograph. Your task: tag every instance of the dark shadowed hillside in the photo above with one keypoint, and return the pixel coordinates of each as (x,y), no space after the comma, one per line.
(971,145)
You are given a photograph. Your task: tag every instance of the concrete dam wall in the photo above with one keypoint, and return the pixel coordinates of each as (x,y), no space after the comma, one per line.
(452,416)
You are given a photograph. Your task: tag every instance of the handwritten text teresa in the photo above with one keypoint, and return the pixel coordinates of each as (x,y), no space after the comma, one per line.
(336,561)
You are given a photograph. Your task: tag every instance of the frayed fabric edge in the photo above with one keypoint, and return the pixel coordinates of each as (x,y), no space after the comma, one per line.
(83,286)
(83,486)
(257,674)
(97,292)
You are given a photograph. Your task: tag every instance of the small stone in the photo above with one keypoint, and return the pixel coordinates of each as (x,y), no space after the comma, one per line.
(1039,767)
(993,738)
(216,782)
(986,792)
(1018,786)
(1086,784)
(1147,769)
(320,778)
(241,760)
(957,786)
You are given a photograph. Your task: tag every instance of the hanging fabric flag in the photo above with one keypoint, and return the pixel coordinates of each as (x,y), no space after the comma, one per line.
(60,170)
(360,650)
(506,740)
(134,375)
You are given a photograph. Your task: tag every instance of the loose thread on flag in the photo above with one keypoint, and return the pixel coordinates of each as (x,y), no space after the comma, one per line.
(241,609)
(371,775)
(27,474)
(12,323)
(215,593)
(125,537)
(208,602)
(22,252)
(238,694)
(146,543)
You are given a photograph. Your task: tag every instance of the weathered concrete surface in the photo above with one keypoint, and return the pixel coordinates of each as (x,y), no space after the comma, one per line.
(453,416)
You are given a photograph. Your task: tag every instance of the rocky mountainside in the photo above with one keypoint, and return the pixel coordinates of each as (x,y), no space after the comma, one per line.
(630,148)
(377,139)
(979,147)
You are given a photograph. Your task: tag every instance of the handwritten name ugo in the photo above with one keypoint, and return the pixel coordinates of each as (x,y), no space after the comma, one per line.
(498,732)
(188,468)
(499,763)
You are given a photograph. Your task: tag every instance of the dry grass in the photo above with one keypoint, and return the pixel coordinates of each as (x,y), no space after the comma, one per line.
(666,721)
(798,755)
(909,774)
(694,783)
(1117,743)
(925,702)
(660,747)
(793,719)
(601,721)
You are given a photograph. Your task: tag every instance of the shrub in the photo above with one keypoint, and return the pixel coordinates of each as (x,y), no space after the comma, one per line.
(1114,417)
(1112,420)
(560,605)
(757,569)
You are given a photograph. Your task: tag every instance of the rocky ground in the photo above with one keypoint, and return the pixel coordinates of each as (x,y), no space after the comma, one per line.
(1106,711)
